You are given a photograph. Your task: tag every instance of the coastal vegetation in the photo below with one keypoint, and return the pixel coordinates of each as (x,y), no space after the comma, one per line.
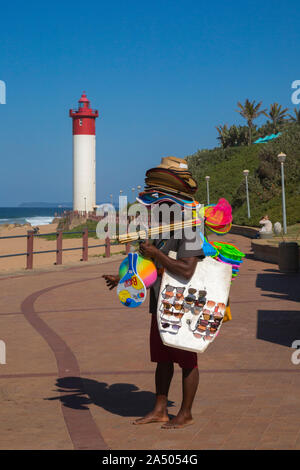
(225,165)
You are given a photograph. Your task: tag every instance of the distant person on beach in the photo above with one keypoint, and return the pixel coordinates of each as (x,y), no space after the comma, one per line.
(36,230)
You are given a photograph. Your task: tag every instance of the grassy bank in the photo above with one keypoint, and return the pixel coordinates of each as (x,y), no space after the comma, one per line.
(225,167)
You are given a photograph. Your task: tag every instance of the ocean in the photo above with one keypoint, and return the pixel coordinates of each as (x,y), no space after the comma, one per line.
(33,215)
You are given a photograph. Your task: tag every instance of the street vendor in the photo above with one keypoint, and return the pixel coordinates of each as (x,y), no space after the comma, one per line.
(188,251)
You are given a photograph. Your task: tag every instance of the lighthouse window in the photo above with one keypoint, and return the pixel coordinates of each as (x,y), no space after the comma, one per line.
(80,122)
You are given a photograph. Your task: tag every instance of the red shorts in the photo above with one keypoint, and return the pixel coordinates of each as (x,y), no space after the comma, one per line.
(161,353)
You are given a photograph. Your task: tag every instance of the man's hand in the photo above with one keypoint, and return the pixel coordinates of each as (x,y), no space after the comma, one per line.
(111,280)
(148,250)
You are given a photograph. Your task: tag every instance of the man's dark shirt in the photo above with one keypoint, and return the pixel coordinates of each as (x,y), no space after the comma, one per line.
(183,250)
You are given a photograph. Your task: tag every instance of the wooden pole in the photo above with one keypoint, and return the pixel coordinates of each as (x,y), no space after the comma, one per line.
(29,261)
(59,239)
(85,244)
(107,247)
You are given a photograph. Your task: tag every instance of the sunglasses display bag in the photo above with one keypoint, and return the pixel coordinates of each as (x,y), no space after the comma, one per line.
(190,313)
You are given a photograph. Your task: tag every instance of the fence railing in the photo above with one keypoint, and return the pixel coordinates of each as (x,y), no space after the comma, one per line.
(85,247)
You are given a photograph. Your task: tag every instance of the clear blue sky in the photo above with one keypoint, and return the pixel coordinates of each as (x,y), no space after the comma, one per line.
(162,74)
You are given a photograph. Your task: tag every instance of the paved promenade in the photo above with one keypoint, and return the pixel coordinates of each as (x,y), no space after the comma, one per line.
(78,370)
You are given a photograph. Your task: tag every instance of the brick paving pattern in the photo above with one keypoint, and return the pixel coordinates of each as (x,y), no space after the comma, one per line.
(78,369)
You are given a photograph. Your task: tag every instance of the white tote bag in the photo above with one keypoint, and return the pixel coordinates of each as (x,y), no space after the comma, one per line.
(190,313)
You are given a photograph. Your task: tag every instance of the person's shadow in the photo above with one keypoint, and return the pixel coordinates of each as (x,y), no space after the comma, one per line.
(121,398)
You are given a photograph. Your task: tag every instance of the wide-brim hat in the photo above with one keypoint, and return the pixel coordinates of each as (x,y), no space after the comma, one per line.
(168,191)
(171,179)
(172,173)
(173,163)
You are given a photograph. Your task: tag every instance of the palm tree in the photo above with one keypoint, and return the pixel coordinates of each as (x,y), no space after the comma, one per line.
(223,135)
(295,118)
(277,115)
(250,111)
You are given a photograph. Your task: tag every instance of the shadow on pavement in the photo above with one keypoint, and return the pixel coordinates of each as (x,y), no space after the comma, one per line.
(121,398)
(280,327)
(283,286)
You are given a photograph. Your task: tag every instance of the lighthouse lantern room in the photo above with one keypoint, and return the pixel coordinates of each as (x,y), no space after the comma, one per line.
(84,156)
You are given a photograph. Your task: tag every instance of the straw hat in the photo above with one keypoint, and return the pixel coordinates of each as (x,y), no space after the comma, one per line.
(173,163)
(172,173)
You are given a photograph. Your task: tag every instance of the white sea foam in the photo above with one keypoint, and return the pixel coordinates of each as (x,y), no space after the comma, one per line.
(39,220)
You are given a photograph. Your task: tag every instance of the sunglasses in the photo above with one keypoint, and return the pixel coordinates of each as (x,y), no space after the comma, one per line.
(180,290)
(167,312)
(211,304)
(192,291)
(201,328)
(187,308)
(166,304)
(218,316)
(169,288)
(190,299)
(202,293)
(206,316)
(196,310)
(178,314)
(176,327)
(179,295)
(168,295)
(178,306)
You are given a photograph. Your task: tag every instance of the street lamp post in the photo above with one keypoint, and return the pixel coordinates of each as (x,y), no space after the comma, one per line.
(139,187)
(246,173)
(111,199)
(281,157)
(133,190)
(207,187)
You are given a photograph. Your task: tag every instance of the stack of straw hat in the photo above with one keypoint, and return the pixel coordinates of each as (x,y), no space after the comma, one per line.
(171,175)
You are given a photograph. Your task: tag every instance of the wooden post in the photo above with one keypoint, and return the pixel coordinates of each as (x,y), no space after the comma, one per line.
(59,247)
(85,245)
(107,247)
(127,248)
(29,261)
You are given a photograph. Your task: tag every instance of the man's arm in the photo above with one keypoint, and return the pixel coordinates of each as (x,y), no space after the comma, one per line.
(184,267)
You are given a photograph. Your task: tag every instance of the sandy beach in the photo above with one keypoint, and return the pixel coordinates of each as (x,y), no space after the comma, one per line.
(19,245)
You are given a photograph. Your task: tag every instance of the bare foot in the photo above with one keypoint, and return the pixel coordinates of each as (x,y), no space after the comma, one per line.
(180,421)
(152,417)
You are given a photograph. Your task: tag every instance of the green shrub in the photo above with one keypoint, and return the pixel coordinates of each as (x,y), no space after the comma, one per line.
(225,168)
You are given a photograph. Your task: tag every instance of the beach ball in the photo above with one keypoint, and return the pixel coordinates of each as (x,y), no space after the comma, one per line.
(145,268)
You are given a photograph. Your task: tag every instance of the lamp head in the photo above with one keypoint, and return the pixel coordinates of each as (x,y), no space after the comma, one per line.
(281,157)
(246,172)
(207,178)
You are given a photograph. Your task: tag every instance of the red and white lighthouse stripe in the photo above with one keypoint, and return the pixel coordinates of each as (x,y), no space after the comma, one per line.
(84,156)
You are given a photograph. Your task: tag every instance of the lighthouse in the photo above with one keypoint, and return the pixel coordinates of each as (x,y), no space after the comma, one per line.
(84,156)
